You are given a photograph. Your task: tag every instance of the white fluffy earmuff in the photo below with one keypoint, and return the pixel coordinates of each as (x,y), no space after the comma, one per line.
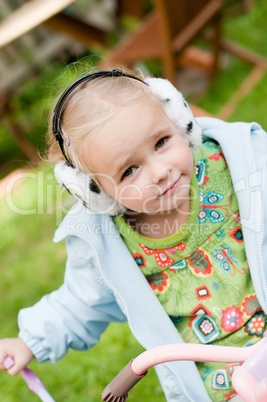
(177,110)
(82,186)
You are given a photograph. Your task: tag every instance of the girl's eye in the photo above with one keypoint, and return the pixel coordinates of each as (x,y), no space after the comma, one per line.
(129,172)
(161,142)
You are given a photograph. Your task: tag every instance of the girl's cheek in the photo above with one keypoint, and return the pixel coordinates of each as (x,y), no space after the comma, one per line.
(130,193)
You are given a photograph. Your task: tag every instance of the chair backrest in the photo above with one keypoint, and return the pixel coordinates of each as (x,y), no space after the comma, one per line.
(180,21)
(179,13)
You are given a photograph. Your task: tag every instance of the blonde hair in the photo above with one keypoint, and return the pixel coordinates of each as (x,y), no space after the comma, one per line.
(91,106)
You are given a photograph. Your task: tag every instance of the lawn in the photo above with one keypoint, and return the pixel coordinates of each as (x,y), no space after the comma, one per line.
(32,265)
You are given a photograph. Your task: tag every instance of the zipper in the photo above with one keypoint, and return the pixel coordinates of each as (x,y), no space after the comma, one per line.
(261,235)
(261,261)
(109,286)
(106,283)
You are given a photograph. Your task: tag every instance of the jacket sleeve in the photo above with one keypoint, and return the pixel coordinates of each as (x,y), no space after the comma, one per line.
(75,315)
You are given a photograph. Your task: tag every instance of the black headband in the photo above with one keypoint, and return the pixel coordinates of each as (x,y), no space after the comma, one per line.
(56,121)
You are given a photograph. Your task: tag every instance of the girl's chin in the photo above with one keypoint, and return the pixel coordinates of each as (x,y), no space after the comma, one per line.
(151,212)
(167,207)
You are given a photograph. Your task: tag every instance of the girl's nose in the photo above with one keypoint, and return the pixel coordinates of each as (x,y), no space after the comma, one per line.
(159,171)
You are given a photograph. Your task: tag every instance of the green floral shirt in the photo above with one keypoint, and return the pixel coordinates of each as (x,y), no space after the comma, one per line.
(200,274)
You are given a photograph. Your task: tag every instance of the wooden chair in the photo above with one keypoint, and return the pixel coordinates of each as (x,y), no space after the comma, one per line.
(166,32)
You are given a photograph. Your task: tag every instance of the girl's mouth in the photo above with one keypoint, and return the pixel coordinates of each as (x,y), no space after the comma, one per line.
(170,189)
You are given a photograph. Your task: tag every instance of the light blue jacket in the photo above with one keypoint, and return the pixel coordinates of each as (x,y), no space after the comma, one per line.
(103,283)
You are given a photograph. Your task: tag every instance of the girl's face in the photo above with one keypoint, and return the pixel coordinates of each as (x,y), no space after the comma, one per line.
(142,161)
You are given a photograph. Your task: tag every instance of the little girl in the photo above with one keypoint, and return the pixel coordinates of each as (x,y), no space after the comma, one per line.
(169,232)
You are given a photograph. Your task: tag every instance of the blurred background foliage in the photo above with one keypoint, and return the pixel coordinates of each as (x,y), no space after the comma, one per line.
(32,100)
(31,265)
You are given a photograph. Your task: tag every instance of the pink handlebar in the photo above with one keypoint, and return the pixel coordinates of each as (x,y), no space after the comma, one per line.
(31,379)
(190,351)
(249,380)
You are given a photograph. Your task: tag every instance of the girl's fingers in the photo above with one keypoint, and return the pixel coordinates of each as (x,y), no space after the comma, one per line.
(14,370)
(14,355)
(16,367)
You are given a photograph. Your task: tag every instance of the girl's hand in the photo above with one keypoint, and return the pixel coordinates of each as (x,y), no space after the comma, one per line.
(18,350)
